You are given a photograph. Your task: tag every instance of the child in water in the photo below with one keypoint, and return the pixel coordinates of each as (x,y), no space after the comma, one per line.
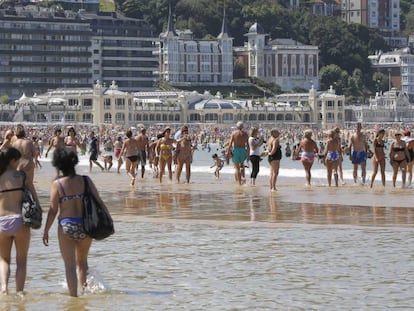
(218,163)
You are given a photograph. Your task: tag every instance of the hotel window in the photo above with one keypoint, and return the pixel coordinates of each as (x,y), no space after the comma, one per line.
(120,117)
(293,65)
(107,103)
(107,117)
(87,103)
(330,117)
(120,103)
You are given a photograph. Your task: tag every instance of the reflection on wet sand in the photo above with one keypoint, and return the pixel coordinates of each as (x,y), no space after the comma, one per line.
(244,205)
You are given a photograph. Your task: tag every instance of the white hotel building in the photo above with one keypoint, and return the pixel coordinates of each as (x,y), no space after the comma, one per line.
(184,59)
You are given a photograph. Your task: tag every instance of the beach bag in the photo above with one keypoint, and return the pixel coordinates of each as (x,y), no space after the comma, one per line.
(31,211)
(97,223)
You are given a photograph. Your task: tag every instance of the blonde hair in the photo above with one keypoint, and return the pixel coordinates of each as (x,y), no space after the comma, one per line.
(308,133)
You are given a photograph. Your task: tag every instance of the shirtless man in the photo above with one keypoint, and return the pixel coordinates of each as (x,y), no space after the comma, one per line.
(143,146)
(130,148)
(358,147)
(56,142)
(238,150)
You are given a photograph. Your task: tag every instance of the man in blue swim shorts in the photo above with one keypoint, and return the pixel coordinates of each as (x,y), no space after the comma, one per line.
(358,153)
(238,150)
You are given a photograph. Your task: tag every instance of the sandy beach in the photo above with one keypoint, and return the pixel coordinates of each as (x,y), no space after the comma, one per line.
(215,245)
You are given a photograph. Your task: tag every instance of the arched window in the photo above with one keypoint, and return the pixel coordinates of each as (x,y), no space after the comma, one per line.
(195,117)
(107,117)
(120,117)
(270,117)
(211,117)
(227,117)
(262,117)
(289,117)
(252,117)
(87,117)
(280,117)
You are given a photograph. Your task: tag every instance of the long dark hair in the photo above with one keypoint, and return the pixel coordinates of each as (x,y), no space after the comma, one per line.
(65,161)
(6,156)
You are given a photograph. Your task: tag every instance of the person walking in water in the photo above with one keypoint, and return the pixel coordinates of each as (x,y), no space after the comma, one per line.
(131,149)
(94,151)
(378,159)
(184,155)
(358,148)
(66,203)
(274,156)
(238,151)
(255,142)
(309,150)
(12,229)
(332,157)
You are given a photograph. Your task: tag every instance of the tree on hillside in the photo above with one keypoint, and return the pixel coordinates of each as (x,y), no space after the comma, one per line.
(335,76)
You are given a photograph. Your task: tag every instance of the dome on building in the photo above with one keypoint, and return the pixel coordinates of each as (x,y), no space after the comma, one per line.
(256,28)
(214,104)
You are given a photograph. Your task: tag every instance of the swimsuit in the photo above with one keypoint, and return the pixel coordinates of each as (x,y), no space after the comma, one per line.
(142,157)
(65,197)
(117,152)
(276,156)
(332,156)
(133,158)
(359,157)
(239,155)
(73,227)
(308,156)
(11,224)
(166,156)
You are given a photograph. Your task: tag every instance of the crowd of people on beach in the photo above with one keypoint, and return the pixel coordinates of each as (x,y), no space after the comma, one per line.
(22,146)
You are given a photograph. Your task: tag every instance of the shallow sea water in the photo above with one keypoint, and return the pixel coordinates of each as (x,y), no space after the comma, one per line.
(213,245)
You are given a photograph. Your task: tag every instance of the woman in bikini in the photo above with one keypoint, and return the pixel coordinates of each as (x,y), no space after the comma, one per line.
(309,150)
(12,229)
(164,150)
(184,154)
(379,157)
(130,148)
(66,199)
(398,158)
(332,157)
(71,141)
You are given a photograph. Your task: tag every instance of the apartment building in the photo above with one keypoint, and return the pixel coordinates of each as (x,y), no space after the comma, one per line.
(122,50)
(43,49)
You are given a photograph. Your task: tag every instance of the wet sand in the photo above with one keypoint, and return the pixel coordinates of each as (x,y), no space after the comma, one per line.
(210,199)
(214,245)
